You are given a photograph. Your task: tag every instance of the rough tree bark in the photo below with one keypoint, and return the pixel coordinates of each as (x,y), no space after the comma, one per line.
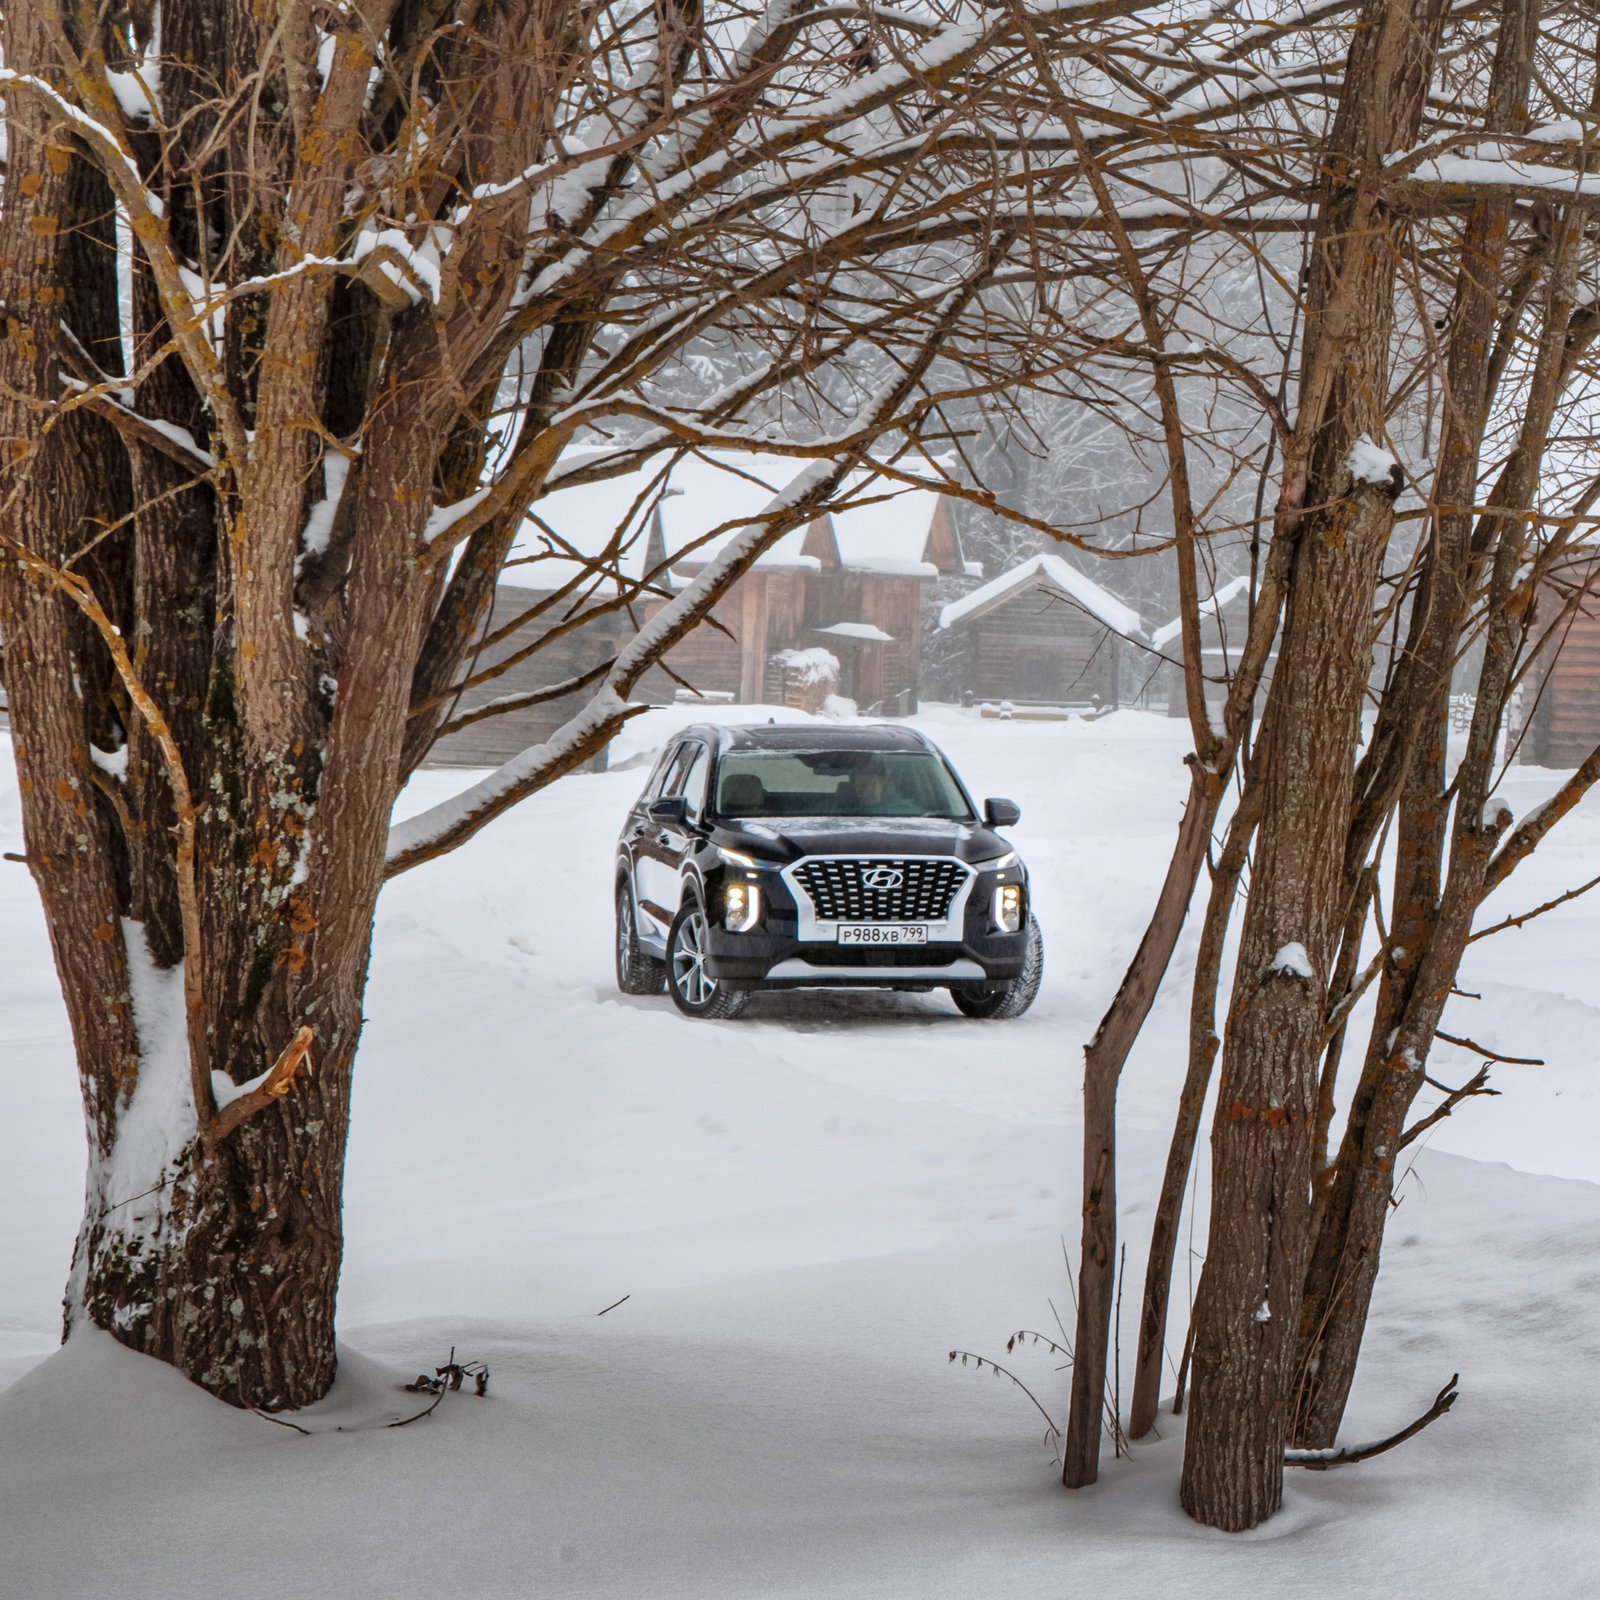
(1248,1304)
(1203,1045)
(1436,896)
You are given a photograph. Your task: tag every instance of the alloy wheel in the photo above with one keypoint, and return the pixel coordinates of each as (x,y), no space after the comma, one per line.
(694,983)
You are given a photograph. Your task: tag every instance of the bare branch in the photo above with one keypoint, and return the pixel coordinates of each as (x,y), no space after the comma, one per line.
(1325,1460)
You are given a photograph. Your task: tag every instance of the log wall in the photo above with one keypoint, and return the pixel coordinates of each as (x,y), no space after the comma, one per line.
(1564,726)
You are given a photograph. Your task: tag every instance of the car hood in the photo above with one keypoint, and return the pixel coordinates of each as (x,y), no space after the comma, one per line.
(786,839)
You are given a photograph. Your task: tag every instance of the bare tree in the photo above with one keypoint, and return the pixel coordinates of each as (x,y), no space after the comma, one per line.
(1441,208)
(303,306)
(1440,169)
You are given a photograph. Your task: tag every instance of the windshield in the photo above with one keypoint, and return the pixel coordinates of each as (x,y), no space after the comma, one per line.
(838,783)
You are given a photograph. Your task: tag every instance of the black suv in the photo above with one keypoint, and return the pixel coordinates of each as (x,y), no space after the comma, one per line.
(801,857)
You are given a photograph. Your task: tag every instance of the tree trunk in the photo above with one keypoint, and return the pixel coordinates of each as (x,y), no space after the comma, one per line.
(1203,1043)
(1248,1303)
(1248,1306)
(217,1254)
(1103,1060)
(1434,909)
(230,1268)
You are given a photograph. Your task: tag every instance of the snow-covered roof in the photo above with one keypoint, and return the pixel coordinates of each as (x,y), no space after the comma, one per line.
(857,630)
(700,502)
(1214,602)
(586,517)
(724,492)
(1050,572)
(890,532)
(691,499)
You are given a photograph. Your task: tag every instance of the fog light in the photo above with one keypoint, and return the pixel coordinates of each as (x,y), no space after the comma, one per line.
(1008,907)
(741,905)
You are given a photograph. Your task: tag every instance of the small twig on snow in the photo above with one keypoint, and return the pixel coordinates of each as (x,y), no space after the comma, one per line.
(446,1378)
(1002,1372)
(1323,1460)
(283,1422)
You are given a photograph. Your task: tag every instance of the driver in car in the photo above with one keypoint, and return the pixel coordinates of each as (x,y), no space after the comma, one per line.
(871,793)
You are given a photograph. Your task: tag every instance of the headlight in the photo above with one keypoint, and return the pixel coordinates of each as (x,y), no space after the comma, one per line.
(741,906)
(1008,907)
(736,858)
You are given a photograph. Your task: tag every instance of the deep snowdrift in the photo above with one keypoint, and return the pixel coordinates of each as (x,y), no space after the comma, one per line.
(809,1208)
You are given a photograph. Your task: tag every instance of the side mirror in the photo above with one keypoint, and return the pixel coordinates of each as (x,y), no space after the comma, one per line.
(1001,813)
(674,809)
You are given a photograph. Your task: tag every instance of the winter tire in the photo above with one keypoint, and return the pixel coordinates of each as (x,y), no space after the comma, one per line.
(1016,996)
(637,972)
(694,991)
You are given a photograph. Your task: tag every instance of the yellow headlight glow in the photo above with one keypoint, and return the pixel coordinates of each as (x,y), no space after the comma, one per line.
(741,906)
(1008,907)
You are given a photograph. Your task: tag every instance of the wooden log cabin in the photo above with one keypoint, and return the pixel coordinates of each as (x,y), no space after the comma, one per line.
(1041,635)
(850,582)
(1563,690)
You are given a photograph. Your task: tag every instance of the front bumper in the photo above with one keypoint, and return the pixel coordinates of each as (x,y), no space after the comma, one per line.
(790,949)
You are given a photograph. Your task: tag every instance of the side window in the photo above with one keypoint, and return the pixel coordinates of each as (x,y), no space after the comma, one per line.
(676,767)
(694,783)
(652,785)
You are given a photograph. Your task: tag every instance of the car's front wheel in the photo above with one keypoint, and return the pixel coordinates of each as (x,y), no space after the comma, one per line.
(1016,996)
(637,971)
(694,991)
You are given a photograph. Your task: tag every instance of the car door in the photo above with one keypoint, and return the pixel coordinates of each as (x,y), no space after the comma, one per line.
(661,846)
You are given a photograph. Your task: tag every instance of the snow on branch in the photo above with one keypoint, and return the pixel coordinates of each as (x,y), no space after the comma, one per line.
(146,218)
(1524,839)
(437,829)
(105,141)
(399,270)
(169,438)
(1291,961)
(1371,463)
(440,827)
(1475,175)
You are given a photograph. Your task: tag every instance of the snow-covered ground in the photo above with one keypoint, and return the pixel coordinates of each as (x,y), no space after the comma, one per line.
(808,1208)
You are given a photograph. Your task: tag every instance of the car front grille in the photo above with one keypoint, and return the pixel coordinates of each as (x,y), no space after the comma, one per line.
(880,888)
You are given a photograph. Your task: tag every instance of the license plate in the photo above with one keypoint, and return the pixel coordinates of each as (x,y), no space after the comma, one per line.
(883,933)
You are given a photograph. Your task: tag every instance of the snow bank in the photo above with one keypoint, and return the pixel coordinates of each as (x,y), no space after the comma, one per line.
(808,1208)
(1496,814)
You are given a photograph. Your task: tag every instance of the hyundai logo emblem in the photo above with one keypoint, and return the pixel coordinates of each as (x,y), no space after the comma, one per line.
(882,878)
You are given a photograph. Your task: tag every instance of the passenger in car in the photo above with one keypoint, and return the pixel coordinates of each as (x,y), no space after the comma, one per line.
(744,795)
